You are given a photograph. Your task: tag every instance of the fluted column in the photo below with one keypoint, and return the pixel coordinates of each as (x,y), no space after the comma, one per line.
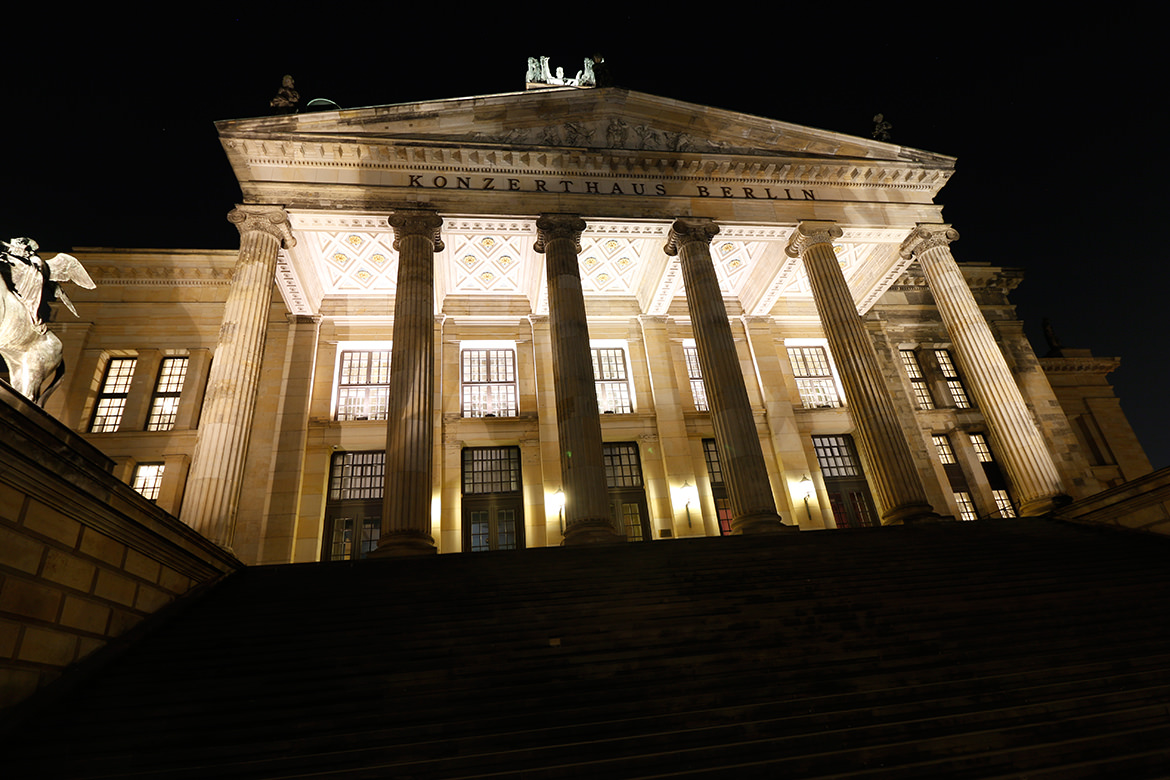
(1036,484)
(410,429)
(753,507)
(587,519)
(884,451)
(213,487)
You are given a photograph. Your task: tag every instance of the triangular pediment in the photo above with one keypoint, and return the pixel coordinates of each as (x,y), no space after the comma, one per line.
(594,119)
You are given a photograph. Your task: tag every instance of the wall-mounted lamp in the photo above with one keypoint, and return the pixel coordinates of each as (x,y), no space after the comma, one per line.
(689,493)
(807,488)
(559,502)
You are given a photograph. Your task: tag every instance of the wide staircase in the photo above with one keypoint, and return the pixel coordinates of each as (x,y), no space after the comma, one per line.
(1021,648)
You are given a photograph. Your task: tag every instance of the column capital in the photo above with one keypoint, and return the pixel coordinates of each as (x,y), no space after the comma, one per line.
(554,226)
(272,220)
(810,233)
(927,236)
(685,231)
(417,222)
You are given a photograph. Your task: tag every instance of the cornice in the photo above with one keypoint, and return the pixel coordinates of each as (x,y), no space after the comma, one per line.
(452,156)
(1082,365)
(162,276)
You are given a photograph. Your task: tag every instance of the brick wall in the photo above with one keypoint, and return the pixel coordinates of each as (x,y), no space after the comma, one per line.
(83,558)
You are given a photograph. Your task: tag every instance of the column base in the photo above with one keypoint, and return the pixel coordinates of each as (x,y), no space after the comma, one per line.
(597,531)
(404,544)
(1043,505)
(760,523)
(911,515)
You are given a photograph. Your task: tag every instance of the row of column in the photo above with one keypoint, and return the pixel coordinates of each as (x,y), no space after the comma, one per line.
(216,471)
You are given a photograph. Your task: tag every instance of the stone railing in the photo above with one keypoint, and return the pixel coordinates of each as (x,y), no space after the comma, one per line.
(83,557)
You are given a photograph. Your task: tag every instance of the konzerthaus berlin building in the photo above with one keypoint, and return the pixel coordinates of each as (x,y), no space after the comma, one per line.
(574,316)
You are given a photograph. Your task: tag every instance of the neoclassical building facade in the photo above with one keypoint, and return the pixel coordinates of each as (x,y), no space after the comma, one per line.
(574,316)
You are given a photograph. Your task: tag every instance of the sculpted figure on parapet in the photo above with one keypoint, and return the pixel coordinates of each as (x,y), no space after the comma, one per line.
(30,284)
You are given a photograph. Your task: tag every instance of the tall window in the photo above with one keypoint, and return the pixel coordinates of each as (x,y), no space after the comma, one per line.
(111,400)
(695,375)
(951,375)
(995,478)
(845,484)
(627,496)
(942,445)
(718,488)
(493,503)
(489,383)
(148,479)
(353,511)
(363,385)
(814,378)
(164,406)
(613,383)
(917,381)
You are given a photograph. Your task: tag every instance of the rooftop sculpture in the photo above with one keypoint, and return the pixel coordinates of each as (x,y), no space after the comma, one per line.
(30,284)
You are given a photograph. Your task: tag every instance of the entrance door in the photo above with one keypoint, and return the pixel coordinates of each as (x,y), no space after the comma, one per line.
(493,503)
(627,497)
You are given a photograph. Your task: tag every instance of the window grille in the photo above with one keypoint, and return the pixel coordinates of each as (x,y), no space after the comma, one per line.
(622,466)
(814,378)
(695,374)
(111,400)
(714,468)
(917,381)
(491,470)
(164,406)
(943,446)
(979,442)
(835,456)
(357,475)
(613,386)
(1003,503)
(951,375)
(363,385)
(489,383)
(148,479)
(966,506)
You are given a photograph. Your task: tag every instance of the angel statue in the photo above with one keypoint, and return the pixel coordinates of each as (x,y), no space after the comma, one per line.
(30,284)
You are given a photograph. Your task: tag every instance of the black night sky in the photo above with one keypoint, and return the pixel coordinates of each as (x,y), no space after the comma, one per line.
(109,136)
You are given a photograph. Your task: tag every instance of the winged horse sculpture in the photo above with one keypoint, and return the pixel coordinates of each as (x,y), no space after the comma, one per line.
(29,285)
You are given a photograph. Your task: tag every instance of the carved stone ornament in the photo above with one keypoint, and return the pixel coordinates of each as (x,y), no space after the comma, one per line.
(266,219)
(926,237)
(29,284)
(685,231)
(553,226)
(808,234)
(417,222)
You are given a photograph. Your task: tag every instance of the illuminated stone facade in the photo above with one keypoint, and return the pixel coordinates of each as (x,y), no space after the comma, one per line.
(833,365)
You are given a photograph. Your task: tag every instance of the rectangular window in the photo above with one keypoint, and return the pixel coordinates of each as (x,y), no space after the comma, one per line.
(148,479)
(623,469)
(814,378)
(966,506)
(835,455)
(489,383)
(111,400)
(627,498)
(917,381)
(493,506)
(613,384)
(718,489)
(695,374)
(951,375)
(1003,502)
(491,470)
(943,446)
(979,442)
(357,476)
(363,385)
(164,406)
